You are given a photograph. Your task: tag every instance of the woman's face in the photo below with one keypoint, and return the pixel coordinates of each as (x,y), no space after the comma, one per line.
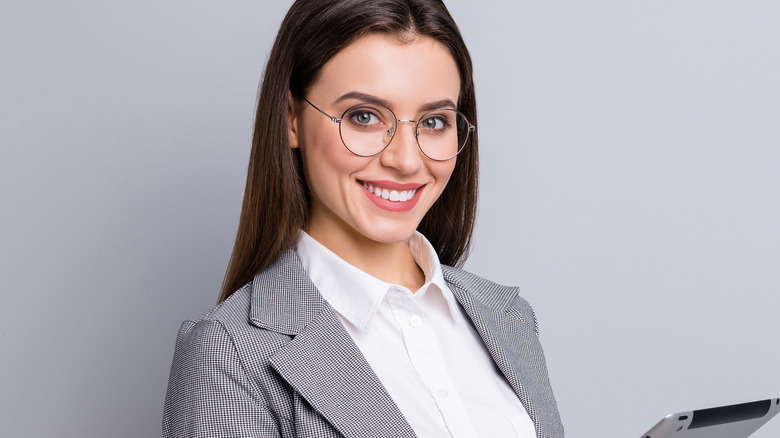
(408,77)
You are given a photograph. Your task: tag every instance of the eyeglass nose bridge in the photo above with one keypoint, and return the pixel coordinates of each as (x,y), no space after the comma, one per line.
(390,133)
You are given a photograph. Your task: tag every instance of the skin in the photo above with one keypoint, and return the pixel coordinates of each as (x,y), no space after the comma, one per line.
(408,76)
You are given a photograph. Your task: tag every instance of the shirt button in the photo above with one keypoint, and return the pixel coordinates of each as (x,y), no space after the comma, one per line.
(415,321)
(443,393)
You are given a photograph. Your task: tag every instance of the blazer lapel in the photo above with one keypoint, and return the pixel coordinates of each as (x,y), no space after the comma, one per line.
(510,336)
(322,362)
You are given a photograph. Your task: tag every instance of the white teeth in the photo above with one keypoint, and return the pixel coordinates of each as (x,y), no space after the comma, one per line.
(391,195)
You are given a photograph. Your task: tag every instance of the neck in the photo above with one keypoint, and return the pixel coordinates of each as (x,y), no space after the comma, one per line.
(389,262)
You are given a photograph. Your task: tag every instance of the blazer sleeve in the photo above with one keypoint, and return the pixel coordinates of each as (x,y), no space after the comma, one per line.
(209,391)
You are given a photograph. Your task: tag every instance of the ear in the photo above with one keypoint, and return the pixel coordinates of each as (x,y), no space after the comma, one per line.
(292,117)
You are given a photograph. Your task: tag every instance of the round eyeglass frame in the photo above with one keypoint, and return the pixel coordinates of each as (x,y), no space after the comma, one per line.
(469,129)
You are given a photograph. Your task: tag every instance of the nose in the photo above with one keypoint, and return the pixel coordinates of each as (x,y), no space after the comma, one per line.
(403,153)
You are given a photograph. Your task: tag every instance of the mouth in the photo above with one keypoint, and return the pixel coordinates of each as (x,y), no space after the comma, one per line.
(389,194)
(392,196)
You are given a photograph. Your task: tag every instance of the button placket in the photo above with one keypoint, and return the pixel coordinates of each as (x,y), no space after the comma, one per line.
(426,358)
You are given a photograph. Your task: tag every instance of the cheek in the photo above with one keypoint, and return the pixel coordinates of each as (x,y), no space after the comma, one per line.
(326,162)
(443,171)
(319,148)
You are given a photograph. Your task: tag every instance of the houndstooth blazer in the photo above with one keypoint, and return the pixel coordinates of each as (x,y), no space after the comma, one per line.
(274,360)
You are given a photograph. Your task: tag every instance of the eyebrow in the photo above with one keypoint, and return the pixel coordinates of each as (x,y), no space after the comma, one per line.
(367,98)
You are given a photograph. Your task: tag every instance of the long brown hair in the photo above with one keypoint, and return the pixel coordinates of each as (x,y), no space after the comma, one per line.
(276,199)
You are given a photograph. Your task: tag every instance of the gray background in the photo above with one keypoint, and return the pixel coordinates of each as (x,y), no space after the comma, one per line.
(630,182)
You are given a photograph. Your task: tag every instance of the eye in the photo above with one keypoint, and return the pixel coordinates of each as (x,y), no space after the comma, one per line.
(364,117)
(434,123)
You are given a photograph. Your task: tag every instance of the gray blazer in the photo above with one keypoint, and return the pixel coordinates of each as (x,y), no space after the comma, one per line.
(274,360)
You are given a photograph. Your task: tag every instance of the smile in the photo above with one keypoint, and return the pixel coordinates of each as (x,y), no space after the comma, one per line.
(392,196)
(389,194)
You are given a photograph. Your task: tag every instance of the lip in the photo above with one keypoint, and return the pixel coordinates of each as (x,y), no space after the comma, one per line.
(392,185)
(386,204)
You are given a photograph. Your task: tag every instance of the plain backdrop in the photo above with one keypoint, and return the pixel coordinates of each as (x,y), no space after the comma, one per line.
(630,185)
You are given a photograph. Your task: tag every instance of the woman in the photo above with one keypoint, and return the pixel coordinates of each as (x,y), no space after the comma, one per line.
(339,315)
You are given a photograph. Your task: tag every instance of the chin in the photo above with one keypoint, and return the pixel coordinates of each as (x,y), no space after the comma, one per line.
(389,232)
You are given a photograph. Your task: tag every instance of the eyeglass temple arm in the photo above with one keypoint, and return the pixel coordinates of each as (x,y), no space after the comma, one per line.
(333,119)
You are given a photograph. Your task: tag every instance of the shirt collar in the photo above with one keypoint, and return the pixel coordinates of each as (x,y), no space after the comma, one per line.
(357,295)
(427,259)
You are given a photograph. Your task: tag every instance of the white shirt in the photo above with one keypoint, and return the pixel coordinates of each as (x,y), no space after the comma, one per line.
(421,346)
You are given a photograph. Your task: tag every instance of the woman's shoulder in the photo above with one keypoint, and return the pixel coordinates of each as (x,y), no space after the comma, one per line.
(454,274)
(486,290)
(229,326)
(466,285)
(221,373)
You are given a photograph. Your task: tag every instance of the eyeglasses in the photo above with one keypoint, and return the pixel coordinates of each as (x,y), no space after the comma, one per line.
(366,129)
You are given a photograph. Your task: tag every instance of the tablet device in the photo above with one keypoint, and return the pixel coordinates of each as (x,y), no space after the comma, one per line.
(733,421)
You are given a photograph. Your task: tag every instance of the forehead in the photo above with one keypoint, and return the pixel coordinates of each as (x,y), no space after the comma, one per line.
(405,74)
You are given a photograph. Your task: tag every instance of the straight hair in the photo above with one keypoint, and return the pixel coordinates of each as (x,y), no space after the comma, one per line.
(276,197)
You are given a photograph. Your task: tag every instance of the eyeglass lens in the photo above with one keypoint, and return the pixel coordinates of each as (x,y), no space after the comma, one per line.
(366,129)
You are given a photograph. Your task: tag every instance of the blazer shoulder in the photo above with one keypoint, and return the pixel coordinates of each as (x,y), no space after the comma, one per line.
(229,322)
(219,380)
(488,292)
(491,294)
